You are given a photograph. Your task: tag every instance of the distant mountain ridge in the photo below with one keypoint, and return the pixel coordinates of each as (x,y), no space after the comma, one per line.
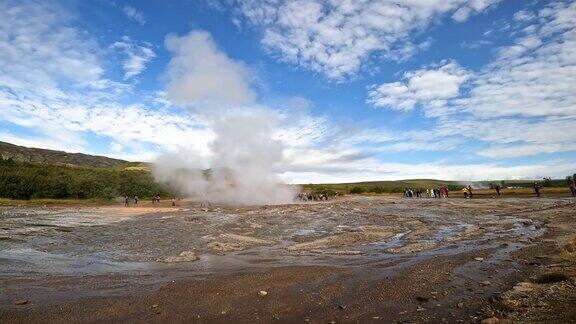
(37,155)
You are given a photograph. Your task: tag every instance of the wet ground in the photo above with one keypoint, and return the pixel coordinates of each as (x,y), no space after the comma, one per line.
(352,259)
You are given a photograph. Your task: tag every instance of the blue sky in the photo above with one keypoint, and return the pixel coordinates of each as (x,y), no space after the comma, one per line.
(358,90)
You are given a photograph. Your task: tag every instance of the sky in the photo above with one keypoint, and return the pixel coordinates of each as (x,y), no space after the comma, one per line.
(359,90)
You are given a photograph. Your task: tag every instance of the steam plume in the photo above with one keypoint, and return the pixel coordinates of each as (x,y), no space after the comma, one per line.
(244,154)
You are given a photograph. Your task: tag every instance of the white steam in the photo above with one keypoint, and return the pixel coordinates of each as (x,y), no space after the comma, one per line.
(244,154)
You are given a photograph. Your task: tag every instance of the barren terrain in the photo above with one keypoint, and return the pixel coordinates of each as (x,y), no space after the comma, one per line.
(353,259)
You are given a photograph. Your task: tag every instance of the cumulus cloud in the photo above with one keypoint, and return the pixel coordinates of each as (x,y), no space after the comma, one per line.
(45,28)
(429,87)
(521,104)
(335,38)
(52,82)
(535,75)
(200,72)
(133,14)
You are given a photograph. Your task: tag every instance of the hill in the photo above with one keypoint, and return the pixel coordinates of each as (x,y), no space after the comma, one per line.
(397,186)
(28,180)
(37,155)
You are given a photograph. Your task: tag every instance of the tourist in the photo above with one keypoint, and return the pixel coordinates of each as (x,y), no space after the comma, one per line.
(572,185)
(537,188)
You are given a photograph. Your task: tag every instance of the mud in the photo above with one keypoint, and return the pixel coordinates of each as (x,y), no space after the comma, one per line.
(354,259)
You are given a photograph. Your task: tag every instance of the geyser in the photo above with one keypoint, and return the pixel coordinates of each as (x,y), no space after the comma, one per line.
(244,154)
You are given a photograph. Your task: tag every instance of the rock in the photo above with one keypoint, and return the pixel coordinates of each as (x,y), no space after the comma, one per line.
(262,293)
(185,256)
(524,287)
(484,283)
(495,320)
(479,259)
(460,305)
(155,306)
(422,299)
(220,247)
(21,302)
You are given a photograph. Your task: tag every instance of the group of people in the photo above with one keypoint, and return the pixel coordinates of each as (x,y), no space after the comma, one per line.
(155,199)
(303,196)
(412,193)
(440,192)
(127,201)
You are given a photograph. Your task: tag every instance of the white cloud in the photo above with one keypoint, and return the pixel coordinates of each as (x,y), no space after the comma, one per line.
(472,7)
(535,75)
(37,44)
(199,72)
(522,103)
(313,171)
(134,14)
(337,37)
(52,83)
(137,56)
(430,87)
(65,106)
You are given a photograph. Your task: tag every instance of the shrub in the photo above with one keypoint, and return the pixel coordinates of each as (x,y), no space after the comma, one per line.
(356,190)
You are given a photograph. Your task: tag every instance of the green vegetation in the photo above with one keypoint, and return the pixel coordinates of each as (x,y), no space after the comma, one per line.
(322,190)
(36,155)
(25,180)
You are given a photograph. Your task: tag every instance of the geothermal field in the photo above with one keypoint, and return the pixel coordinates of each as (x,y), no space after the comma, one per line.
(352,259)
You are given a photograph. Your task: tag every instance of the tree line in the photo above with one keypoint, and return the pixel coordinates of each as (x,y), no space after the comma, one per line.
(24,180)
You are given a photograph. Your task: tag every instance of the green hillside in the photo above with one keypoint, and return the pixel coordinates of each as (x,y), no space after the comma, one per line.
(27,180)
(36,155)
